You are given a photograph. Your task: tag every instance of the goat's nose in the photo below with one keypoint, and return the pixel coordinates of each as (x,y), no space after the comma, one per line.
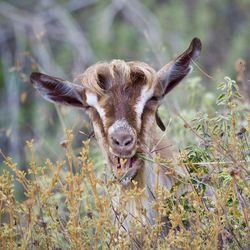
(122,141)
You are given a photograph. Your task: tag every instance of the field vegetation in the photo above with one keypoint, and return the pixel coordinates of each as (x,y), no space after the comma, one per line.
(55,187)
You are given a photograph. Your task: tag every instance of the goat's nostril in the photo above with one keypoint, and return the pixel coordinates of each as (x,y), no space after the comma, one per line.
(115,141)
(128,141)
(121,139)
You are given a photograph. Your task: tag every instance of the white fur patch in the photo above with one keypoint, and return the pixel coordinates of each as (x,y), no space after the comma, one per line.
(146,93)
(120,124)
(92,100)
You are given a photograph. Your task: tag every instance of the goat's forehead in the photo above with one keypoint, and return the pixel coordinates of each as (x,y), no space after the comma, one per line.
(118,72)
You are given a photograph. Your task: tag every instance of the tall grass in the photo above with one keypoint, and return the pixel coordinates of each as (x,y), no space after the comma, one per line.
(69,202)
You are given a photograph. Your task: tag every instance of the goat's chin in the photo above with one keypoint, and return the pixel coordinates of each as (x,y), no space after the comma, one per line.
(124,169)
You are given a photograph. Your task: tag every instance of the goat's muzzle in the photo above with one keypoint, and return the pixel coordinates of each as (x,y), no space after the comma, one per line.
(122,142)
(122,153)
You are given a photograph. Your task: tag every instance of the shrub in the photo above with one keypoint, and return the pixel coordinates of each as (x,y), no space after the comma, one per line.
(68,202)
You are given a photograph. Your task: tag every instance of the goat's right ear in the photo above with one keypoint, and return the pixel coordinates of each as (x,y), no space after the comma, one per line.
(172,73)
(58,90)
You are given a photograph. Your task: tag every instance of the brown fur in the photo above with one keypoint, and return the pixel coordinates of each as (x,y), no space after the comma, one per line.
(118,85)
(116,72)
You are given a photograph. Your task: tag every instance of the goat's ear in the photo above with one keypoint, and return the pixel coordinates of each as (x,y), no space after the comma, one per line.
(172,73)
(58,90)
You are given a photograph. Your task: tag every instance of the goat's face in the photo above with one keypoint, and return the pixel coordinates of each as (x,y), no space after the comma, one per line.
(122,100)
(119,96)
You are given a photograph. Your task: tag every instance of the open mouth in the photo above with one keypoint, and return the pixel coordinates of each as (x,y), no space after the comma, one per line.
(125,169)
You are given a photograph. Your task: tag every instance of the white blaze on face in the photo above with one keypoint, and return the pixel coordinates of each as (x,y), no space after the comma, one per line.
(146,93)
(92,100)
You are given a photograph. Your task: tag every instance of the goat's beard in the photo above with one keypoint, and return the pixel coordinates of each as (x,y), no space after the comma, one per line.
(124,169)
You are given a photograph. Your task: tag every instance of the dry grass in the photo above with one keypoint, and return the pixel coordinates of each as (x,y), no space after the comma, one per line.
(68,204)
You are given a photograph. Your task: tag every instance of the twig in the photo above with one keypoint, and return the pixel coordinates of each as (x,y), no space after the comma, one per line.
(201,70)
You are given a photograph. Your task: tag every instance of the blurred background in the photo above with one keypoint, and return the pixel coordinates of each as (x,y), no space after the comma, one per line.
(63,38)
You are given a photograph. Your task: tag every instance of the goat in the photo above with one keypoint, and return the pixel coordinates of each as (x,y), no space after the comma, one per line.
(122,99)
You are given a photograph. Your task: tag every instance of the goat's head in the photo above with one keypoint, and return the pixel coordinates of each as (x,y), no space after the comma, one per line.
(121,99)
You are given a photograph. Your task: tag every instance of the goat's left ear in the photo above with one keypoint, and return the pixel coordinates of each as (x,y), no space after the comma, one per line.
(172,73)
(58,90)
